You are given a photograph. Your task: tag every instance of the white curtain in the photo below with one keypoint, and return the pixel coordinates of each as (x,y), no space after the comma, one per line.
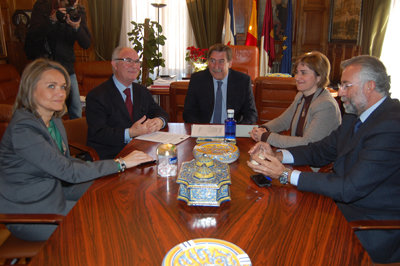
(390,55)
(174,19)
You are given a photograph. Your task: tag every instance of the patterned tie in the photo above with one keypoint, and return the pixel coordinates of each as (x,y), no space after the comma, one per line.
(218,104)
(357,126)
(128,101)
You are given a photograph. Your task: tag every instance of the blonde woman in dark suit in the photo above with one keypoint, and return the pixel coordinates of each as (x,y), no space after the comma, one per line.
(37,173)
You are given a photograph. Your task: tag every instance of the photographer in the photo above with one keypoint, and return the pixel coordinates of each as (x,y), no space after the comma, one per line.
(54,28)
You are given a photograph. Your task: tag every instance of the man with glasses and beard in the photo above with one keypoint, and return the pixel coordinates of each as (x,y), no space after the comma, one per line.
(365,151)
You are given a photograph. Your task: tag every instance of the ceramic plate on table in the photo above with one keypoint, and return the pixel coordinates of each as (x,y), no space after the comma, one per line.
(221,151)
(206,251)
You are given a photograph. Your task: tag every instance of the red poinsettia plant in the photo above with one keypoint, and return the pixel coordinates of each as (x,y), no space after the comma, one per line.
(196,55)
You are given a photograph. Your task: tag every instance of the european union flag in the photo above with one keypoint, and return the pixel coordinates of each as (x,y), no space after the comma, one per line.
(286,63)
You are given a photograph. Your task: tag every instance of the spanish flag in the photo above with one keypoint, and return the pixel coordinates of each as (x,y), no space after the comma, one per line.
(251,38)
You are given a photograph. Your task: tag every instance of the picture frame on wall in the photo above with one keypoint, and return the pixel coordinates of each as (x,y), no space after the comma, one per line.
(345,21)
(21,20)
(280,13)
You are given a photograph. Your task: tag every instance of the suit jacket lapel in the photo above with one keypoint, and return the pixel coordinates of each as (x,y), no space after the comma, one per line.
(137,105)
(352,139)
(209,93)
(63,133)
(231,90)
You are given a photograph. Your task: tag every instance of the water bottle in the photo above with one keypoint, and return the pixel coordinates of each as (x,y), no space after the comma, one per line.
(167,160)
(230,127)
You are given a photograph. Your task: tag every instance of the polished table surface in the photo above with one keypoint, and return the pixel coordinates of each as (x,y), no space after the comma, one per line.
(134,218)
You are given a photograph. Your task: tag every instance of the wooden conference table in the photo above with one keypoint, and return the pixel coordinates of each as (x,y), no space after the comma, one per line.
(134,218)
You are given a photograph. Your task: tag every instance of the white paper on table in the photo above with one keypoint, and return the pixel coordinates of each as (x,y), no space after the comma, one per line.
(208,130)
(212,131)
(243,130)
(163,137)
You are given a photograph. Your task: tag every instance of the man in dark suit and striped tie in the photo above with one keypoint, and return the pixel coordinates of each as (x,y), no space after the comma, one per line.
(119,109)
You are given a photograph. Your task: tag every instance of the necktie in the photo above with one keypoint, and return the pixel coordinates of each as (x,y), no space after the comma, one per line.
(218,104)
(128,101)
(357,126)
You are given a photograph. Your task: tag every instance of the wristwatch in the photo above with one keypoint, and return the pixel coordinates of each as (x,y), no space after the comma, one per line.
(283,178)
(121,164)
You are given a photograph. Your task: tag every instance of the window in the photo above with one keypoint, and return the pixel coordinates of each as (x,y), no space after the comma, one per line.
(174,19)
(390,51)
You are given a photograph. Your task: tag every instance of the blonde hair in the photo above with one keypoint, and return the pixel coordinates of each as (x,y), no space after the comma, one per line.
(29,80)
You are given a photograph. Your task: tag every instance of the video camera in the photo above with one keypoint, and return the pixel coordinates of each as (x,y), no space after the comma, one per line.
(73,13)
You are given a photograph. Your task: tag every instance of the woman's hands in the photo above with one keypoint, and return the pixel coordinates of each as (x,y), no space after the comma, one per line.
(257,132)
(135,158)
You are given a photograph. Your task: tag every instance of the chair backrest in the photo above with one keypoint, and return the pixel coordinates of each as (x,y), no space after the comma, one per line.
(77,137)
(5,117)
(76,130)
(246,59)
(13,249)
(91,74)
(273,96)
(9,82)
(177,95)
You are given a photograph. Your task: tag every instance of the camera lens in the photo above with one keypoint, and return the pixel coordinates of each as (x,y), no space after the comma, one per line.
(73,14)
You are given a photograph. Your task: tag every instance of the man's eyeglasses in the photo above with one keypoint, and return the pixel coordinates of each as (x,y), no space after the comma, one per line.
(344,86)
(129,60)
(215,61)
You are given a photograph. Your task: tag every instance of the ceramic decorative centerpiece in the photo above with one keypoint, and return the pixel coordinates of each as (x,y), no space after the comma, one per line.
(221,151)
(206,251)
(204,182)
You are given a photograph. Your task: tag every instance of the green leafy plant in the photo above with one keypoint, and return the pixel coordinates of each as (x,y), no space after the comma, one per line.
(146,38)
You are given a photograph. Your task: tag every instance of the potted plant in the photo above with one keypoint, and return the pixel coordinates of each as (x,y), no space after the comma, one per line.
(146,38)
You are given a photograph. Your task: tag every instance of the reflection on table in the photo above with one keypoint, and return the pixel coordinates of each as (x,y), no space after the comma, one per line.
(134,218)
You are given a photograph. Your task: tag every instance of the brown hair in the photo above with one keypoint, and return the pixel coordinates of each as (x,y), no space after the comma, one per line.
(318,63)
(219,47)
(29,79)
